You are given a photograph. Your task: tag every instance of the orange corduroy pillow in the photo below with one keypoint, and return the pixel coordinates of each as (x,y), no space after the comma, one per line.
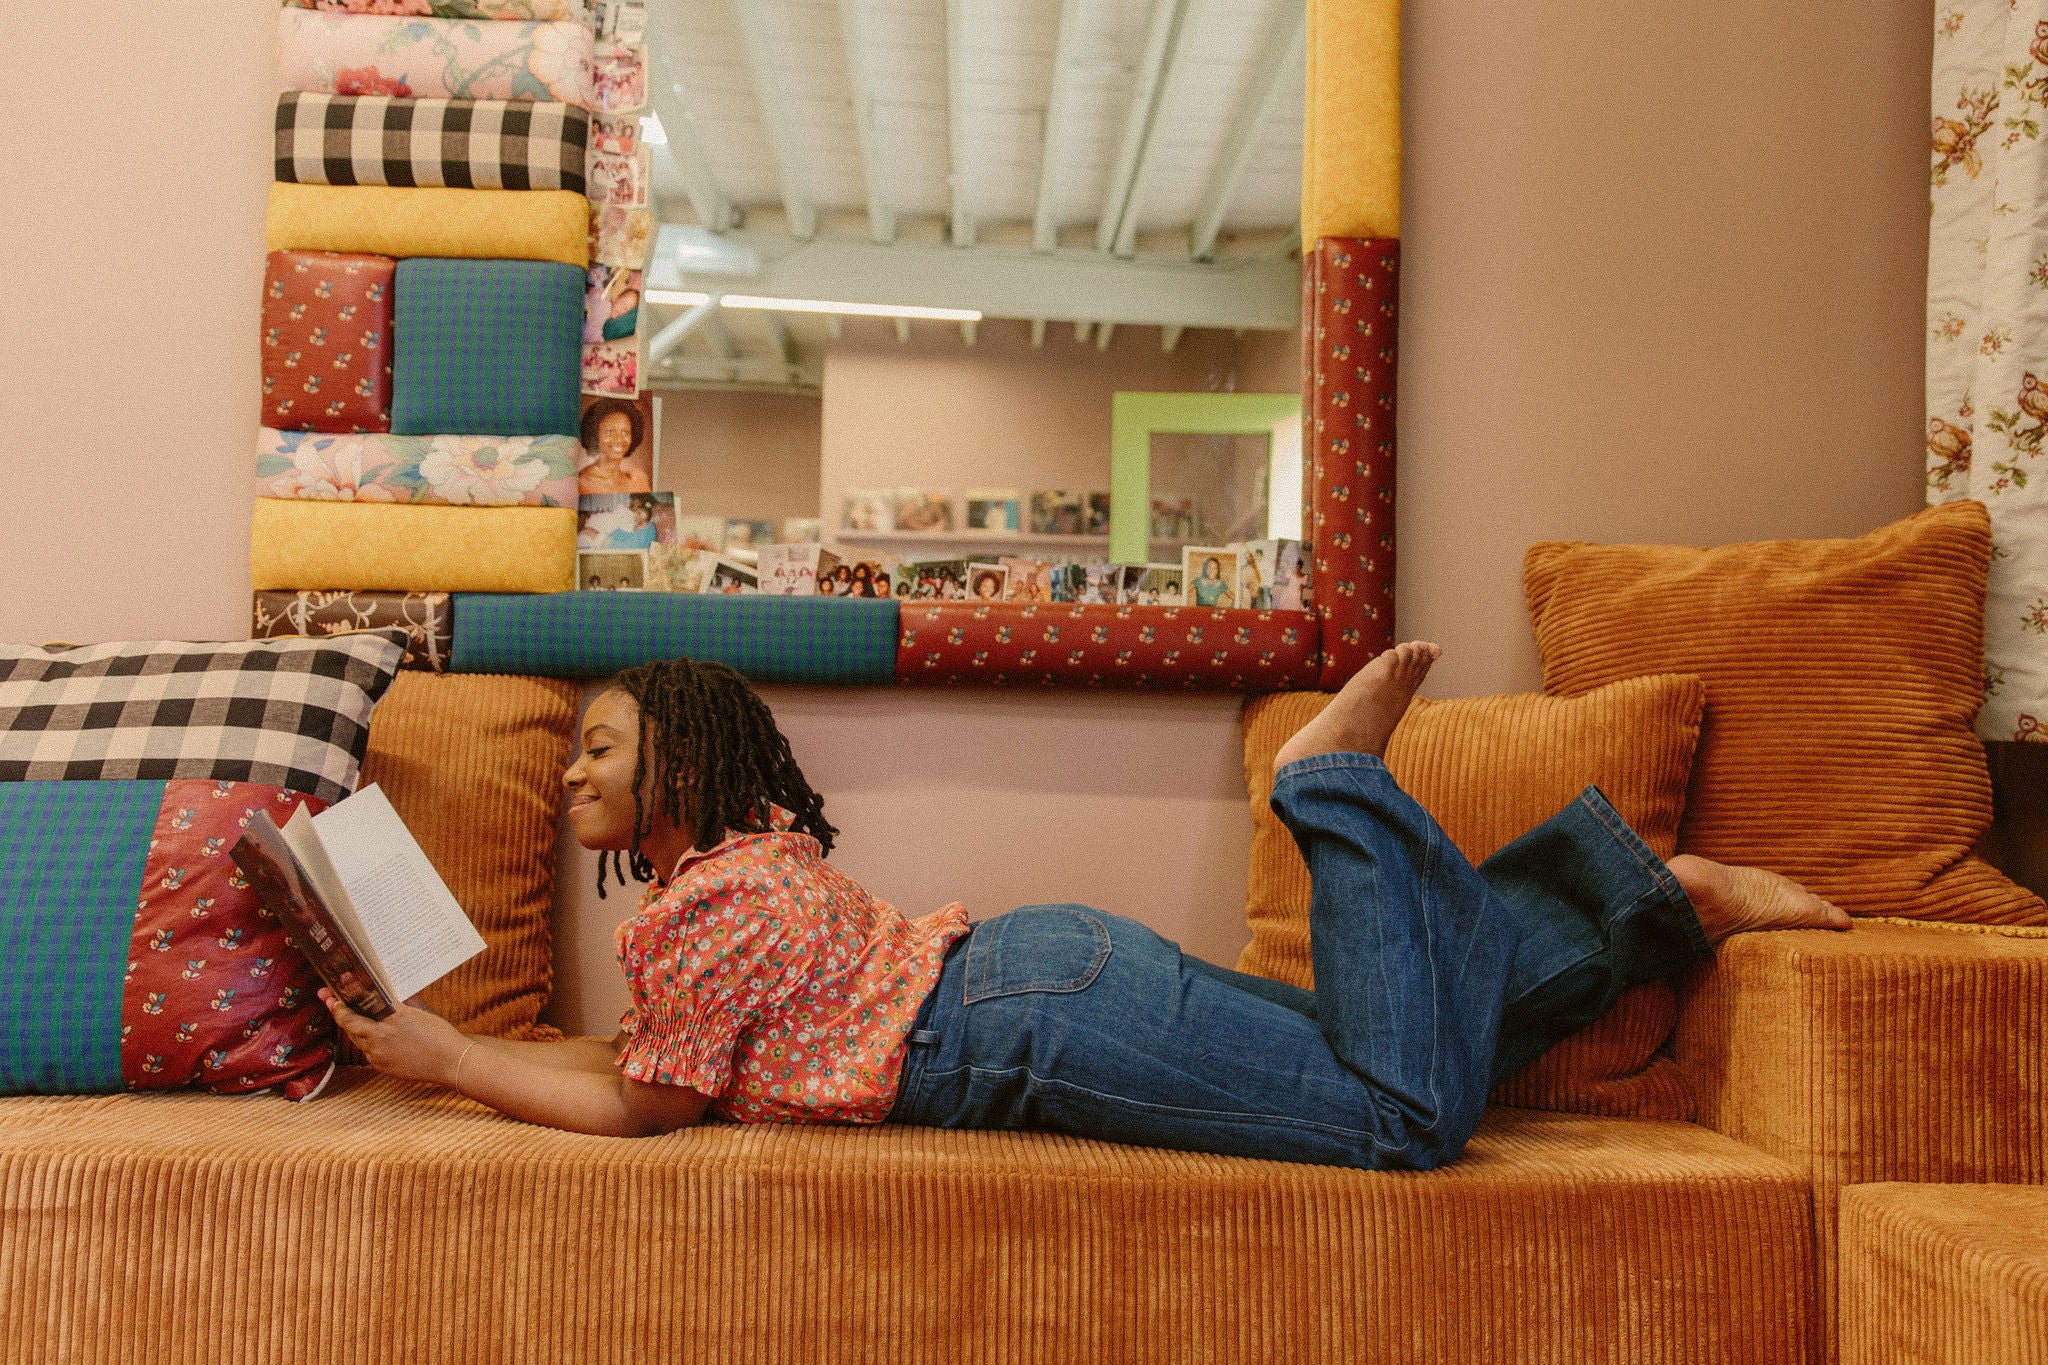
(1490,769)
(473,763)
(1842,680)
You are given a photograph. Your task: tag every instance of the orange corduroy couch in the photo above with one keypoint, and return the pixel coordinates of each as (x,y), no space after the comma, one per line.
(386,1221)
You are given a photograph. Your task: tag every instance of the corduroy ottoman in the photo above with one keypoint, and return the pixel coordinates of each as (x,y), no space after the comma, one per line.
(387,1221)
(1944,1275)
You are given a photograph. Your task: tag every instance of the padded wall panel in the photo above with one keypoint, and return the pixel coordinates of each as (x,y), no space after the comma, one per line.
(1351,134)
(1351,296)
(488,347)
(1018,644)
(327,341)
(383,220)
(304,544)
(459,144)
(595,634)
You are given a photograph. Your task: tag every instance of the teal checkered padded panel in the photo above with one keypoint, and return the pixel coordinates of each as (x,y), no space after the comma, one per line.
(595,634)
(487,348)
(71,863)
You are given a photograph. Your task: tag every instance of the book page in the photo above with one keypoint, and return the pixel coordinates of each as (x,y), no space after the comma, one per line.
(286,889)
(302,836)
(410,920)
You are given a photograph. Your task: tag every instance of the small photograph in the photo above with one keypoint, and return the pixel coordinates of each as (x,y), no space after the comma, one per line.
(611,304)
(618,77)
(1098,514)
(793,570)
(1289,581)
(1069,582)
(618,446)
(869,509)
(624,521)
(917,510)
(1173,519)
(731,577)
(623,20)
(1101,584)
(801,530)
(677,568)
(1056,512)
(611,369)
(700,533)
(1158,586)
(1128,578)
(620,236)
(621,180)
(932,580)
(1254,575)
(1026,580)
(993,509)
(745,535)
(986,582)
(1210,575)
(611,572)
(614,137)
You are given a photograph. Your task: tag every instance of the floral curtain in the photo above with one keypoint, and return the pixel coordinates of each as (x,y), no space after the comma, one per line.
(1987,318)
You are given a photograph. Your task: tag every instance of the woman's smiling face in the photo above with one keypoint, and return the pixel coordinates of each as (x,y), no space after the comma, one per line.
(600,781)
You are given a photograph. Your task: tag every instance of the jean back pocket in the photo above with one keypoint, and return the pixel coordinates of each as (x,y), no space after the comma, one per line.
(1051,948)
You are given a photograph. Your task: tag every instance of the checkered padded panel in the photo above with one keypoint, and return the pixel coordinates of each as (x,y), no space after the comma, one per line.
(292,713)
(457,144)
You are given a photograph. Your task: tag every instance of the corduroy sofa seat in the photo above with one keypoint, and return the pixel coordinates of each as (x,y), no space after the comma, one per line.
(1945,1275)
(387,1221)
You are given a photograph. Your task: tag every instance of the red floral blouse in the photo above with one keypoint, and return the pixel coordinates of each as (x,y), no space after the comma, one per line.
(767,979)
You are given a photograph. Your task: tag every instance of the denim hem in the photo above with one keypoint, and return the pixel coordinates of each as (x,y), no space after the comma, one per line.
(1668,889)
(1335,758)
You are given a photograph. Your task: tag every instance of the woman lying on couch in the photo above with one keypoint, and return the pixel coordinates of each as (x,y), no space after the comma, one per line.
(769,987)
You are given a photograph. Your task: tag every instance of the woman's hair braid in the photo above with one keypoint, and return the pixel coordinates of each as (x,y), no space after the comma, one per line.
(719,762)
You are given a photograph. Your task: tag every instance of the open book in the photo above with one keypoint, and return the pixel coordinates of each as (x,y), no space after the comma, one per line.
(360,899)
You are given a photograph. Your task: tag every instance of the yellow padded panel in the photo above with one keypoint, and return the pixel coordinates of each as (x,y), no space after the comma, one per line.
(385,220)
(297,543)
(1351,149)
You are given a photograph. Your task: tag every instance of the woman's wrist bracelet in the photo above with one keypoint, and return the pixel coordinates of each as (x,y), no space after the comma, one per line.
(456,1082)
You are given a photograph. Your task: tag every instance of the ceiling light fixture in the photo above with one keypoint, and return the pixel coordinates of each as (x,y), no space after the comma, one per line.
(690,299)
(651,131)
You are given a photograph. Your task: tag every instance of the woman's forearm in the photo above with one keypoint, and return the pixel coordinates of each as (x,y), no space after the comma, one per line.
(599,1055)
(543,1087)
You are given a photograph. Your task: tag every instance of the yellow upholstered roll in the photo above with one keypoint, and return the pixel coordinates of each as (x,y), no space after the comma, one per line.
(405,548)
(384,220)
(1351,145)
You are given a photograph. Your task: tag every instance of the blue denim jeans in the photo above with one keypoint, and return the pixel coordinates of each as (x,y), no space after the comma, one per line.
(1435,980)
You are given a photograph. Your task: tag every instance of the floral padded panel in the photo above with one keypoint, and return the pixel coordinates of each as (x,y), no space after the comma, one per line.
(327,341)
(427,618)
(457,471)
(1014,643)
(574,10)
(364,54)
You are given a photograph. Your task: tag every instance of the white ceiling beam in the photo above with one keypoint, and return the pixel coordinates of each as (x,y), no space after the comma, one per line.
(833,327)
(969,332)
(1119,221)
(759,44)
(700,370)
(956,122)
(1059,107)
(903,331)
(778,330)
(671,336)
(728,349)
(1148,290)
(1284,56)
(1169,339)
(1038,334)
(1103,334)
(853,31)
(713,209)
(1081,330)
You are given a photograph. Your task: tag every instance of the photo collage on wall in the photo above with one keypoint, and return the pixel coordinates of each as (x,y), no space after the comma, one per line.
(1259,574)
(620,177)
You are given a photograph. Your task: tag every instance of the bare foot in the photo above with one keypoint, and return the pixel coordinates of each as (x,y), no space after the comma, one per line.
(1362,716)
(1732,899)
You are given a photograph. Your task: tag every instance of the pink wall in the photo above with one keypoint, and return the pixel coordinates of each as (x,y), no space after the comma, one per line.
(1663,281)
(752,456)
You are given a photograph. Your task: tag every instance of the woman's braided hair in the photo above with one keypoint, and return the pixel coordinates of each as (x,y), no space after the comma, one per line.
(719,762)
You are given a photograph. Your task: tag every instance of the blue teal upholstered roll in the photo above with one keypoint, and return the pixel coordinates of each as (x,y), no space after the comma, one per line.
(490,348)
(594,634)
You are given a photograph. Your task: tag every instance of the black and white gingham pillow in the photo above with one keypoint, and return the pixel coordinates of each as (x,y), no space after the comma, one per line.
(291,713)
(459,144)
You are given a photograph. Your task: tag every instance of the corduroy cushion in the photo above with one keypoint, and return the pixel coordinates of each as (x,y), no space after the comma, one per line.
(1842,679)
(474,766)
(1945,1275)
(1489,769)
